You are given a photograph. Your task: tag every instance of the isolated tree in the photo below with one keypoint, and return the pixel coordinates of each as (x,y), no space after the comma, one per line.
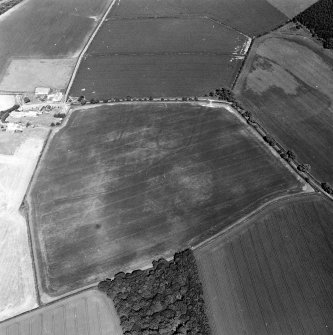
(270,140)
(247,114)
(304,167)
(327,188)
(291,154)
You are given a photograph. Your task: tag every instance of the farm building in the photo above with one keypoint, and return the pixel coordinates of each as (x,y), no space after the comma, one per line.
(42,90)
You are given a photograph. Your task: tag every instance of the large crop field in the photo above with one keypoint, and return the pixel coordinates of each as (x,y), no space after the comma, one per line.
(287,83)
(153,75)
(121,185)
(172,57)
(167,35)
(46,29)
(273,274)
(251,17)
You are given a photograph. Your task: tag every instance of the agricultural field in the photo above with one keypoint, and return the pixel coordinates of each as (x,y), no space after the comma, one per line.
(167,35)
(150,75)
(251,17)
(17,284)
(88,313)
(287,84)
(291,7)
(57,30)
(173,57)
(272,274)
(123,184)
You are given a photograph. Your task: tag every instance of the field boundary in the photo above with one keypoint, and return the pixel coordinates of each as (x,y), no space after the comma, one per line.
(83,51)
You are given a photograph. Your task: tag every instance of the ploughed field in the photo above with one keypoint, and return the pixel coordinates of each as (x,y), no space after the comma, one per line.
(160,57)
(273,274)
(123,184)
(287,84)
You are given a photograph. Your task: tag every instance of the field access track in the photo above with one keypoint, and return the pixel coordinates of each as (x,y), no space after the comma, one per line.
(123,184)
(273,274)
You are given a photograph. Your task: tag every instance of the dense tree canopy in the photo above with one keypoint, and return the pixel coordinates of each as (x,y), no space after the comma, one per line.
(166,299)
(319,19)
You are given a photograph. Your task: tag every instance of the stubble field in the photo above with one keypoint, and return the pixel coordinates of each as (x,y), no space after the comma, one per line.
(273,274)
(173,57)
(121,185)
(287,84)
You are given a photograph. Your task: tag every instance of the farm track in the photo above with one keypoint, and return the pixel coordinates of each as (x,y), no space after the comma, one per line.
(77,65)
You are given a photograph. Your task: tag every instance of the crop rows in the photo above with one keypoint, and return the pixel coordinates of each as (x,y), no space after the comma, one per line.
(270,276)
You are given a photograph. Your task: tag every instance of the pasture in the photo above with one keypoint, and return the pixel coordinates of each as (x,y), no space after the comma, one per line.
(58,29)
(88,313)
(172,57)
(123,184)
(273,274)
(287,84)
(251,17)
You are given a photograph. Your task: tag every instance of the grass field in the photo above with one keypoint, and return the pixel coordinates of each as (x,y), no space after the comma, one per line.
(153,75)
(121,185)
(58,29)
(273,274)
(172,57)
(88,313)
(251,17)
(287,84)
